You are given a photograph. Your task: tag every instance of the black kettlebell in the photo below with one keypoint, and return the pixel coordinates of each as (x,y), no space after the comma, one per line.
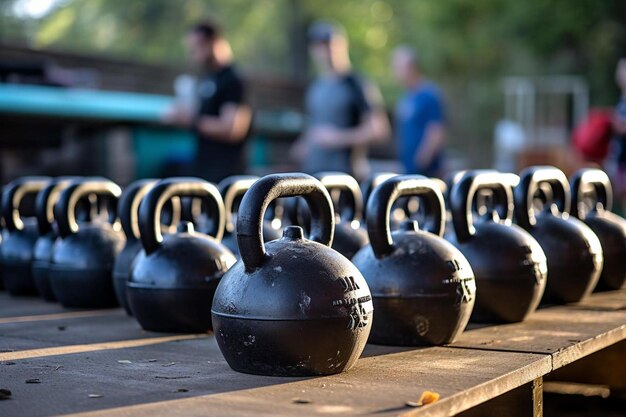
(350,236)
(128,209)
(482,204)
(16,252)
(173,280)
(294,306)
(369,185)
(82,257)
(42,252)
(573,251)
(594,185)
(233,188)
(509,265)
(413,210)
(422,286)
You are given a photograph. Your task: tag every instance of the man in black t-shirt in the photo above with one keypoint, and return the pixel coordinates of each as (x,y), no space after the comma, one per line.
(221,120)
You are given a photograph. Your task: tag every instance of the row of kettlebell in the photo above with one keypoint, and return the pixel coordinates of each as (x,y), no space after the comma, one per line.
(294,306)
(26,257)
(68,239)
(292,295)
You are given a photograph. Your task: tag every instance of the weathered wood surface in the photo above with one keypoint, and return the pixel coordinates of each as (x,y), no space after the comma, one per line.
(74,357)
(565,333)
(380,384)
(524,401)
(609,300)
(604,368)
(11,307)
(137,373)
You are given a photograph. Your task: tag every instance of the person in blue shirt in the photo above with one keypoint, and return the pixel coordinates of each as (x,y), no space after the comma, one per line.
(419,117)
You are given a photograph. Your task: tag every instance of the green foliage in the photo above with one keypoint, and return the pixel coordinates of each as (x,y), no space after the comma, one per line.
(456,39)
(466,45)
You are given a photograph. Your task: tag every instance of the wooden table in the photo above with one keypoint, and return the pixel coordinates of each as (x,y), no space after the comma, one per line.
(62,362)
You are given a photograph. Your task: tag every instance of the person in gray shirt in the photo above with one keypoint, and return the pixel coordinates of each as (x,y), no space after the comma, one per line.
(345,114)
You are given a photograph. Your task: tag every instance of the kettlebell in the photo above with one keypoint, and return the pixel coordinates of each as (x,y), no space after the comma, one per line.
(573,251)
(369,185)
(509,265)
(82,257)
(350,236)
(233,188)
(42,252)
(173,280)
(482,203)
(413,209)
(293,306)
(422,287)
(127,209)
(594,184)
(398,211)
(16,252)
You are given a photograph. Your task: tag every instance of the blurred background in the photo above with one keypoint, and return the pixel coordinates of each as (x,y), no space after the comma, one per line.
(517,77)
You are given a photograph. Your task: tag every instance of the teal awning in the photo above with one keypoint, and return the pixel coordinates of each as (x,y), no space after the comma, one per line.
(82,103)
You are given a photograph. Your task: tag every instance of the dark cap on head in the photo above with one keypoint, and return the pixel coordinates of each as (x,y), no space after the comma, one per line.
(324,31)
(207,28)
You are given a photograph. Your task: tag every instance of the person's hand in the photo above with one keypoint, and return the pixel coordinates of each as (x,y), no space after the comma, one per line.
(299,150)
(326,136)
(178,116)
(421,160)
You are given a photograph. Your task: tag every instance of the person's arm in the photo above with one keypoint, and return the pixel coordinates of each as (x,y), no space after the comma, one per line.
(373,127)
(434,134)
(231,126)
(433,143)
(619,123)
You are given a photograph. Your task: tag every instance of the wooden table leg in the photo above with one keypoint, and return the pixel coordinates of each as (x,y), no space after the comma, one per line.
(524,401)
(605,367)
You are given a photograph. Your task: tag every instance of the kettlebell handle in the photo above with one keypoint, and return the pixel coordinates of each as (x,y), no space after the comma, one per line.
(382,199)
(65,209)
(462,195)
(370,184)
(153,202)
(45,202)
(531,180)
(230,188)
(12,196)
(602,186)
(128,206)
(345,183)
(258,198)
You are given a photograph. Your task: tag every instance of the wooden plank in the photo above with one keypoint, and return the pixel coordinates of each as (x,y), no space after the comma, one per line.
(525,401)
(606,367)
(62,330)
(565,333)
(609,301)
(143,378)
(92,347)
(111,356)
(380,384)
(55,316)
(22,306)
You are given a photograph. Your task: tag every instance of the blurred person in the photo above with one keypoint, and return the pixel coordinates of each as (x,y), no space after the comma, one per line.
(344,113)
(619,128)
(221,119)
(419,117)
